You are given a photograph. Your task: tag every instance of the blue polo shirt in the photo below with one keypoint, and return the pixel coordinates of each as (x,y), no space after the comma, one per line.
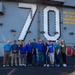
(45,48)
(29,48)
(51,48)
(39,46)
(23,49)
(34,47)
(14,47)
(7,47)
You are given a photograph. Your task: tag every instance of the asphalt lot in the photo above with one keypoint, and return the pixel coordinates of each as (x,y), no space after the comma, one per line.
(40,70)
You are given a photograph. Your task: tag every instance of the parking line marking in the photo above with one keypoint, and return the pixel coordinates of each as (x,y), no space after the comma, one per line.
(11,72)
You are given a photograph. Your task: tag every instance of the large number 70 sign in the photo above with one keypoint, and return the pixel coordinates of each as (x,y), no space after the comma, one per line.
(33,8)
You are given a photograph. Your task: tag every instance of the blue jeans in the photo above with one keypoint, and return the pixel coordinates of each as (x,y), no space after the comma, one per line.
(40,58)
(57,57)
(46,58)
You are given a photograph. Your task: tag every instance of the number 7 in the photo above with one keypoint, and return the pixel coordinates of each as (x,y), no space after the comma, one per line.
(29,18)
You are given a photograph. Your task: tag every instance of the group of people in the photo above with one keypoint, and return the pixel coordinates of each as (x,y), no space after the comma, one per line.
(33,53)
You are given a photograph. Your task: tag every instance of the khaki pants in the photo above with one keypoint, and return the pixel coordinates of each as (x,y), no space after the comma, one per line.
(51,56)
(14,59)
(6,58)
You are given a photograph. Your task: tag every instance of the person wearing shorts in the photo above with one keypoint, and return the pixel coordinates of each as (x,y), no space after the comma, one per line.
(23,54)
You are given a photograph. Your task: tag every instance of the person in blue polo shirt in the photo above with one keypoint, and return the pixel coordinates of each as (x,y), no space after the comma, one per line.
(29,53)
(14,49)
(51,52)
(6,53)
(34,52)
(23,54)
(39,53)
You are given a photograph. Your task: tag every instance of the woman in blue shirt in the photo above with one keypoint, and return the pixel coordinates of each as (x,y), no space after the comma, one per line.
(23,54)
(29,53)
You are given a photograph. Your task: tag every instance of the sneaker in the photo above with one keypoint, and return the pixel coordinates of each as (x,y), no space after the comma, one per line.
(44,65)
(24,64)
(20,64)
(47,65)
(57,65)
(16,65)
(64,65)
(3,65)
(52,65)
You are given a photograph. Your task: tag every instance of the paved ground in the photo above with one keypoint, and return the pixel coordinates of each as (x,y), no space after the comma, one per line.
(40,70)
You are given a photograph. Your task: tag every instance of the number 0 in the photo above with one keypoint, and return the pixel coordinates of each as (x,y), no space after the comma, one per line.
(47,36)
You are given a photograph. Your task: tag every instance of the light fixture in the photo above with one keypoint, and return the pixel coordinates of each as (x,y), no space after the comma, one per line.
(12,30)
(42,32)
(1,24)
